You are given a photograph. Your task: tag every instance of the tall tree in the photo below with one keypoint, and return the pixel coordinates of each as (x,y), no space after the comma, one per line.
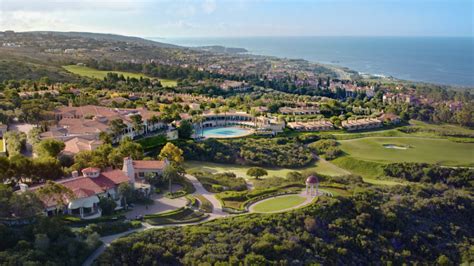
(117,126)
(53,192)
(170,173)
(173,153)
(49,147)
(256,172)
(126,191)
(185,129)
(137,124)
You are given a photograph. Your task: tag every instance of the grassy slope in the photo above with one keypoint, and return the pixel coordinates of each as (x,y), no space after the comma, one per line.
(322,167)
(100,74)
(427,150)
(279,203)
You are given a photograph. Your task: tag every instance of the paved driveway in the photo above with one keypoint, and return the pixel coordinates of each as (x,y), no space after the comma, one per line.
(161,204)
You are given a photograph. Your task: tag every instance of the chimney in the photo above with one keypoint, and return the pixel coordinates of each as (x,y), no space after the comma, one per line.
(23,187)
(128,169)
(75,174)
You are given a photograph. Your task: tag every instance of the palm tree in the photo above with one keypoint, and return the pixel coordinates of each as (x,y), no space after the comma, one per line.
(225,109)
(217,112)
(198,119)
(153,120)
(137,123)
(117,126)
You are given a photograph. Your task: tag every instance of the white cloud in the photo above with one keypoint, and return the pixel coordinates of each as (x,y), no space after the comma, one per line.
(209,6)
(74,5)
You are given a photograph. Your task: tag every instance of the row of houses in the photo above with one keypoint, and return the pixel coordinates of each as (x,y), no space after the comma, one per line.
(349,125)
(317,125)
(361,124)
(312,110)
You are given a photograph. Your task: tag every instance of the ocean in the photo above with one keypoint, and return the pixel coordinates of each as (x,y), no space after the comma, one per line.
(440,60)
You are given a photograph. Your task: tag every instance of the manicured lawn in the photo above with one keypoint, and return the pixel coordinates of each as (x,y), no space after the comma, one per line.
(328,168)
(100,74)
(423,150)
(279,203)
(322,167)
(238,170)
(152,142)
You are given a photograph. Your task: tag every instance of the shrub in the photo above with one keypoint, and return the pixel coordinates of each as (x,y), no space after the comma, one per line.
(220,182)
(107,205)
(110,228)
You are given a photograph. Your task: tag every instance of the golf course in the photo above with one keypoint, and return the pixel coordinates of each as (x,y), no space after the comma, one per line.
(101,74)
(410,149)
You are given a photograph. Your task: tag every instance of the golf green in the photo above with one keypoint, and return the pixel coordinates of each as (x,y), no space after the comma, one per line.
(408,149)
(278,203)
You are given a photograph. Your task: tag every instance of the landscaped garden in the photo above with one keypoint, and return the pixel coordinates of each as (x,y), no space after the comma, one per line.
(178,216)
(280,203)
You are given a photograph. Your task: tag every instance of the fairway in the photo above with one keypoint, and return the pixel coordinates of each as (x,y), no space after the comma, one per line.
(278,203)
(101,74)
(422,150)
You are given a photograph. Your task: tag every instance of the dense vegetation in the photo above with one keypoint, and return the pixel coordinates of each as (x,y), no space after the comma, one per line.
(327,148)
(377,225)
(422,172)
(219,182)
(276,152)
(28,239)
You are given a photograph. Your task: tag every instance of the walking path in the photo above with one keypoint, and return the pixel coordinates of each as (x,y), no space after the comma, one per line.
(217,212)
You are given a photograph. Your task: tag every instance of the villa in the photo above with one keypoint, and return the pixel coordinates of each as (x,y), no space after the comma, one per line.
(95,184)
(78,144)
(88,121)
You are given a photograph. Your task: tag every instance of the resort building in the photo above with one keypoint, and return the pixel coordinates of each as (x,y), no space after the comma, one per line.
(299,110)
(95,184)
(317,125)
(88,121)
(236,118)
(78,144)
(391,98)
(390,119)
(361,124)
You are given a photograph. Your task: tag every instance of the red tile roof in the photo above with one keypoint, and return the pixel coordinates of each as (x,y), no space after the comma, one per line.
(84,187)
(90,170)
(111,178)
(149,164)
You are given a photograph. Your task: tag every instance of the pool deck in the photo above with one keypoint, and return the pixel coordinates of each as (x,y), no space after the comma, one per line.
(246,132)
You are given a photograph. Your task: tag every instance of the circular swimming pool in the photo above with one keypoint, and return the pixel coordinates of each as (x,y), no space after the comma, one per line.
(225,132)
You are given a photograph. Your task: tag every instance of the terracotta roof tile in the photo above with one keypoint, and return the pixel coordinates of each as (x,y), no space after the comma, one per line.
(149,164)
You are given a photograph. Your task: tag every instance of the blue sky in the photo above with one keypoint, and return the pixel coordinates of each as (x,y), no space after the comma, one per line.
(210,18)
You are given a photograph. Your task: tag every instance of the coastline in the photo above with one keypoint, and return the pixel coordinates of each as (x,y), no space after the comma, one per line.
(430,68)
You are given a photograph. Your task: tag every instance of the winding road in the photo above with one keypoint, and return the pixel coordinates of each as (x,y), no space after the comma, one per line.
(217,212)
